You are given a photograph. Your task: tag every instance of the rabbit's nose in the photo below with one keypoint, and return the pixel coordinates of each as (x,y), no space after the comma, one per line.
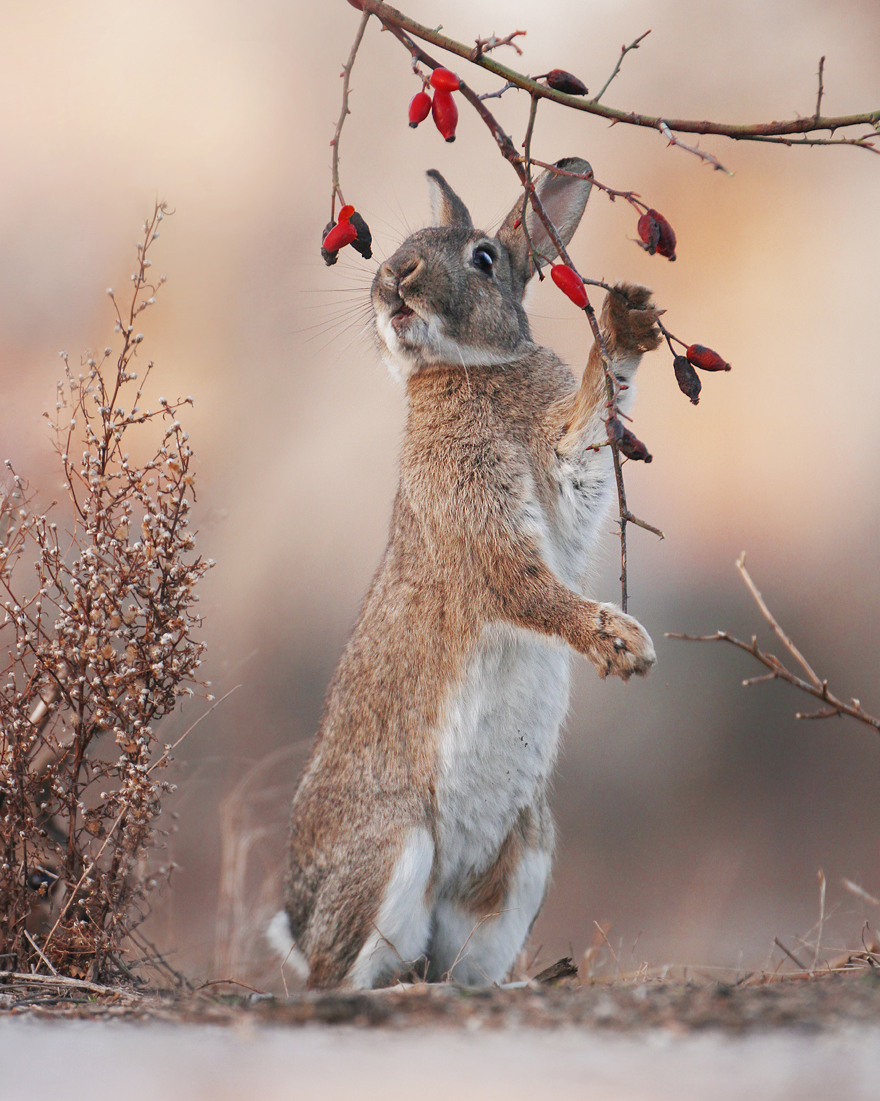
(409,270)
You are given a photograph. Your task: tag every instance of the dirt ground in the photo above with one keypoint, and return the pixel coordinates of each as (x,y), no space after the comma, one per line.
(781,1039)
(849,994)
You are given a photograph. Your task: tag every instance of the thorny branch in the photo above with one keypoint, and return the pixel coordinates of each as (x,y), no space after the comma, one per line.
(346,77)
(778,671)
(395,20)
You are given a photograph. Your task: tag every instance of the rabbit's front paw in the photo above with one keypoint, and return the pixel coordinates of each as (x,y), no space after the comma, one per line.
(630,319)
(621,645)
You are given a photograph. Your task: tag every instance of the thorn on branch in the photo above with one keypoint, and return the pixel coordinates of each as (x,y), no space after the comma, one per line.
(707,158)
(484,45)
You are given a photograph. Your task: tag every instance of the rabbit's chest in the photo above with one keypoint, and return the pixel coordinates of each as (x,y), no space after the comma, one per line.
(496,745)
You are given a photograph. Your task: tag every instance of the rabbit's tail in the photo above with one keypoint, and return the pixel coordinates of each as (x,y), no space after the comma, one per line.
(279,937)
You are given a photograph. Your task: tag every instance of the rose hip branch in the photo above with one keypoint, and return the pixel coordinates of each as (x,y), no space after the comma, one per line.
(437,98)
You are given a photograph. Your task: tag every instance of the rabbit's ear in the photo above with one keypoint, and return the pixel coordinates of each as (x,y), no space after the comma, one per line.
(446,207)
(564,198)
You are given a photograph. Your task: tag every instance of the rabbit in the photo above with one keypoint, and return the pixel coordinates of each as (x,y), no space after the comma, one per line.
(421,838)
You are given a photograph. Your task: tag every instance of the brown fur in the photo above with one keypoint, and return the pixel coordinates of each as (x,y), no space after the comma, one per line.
(479,445)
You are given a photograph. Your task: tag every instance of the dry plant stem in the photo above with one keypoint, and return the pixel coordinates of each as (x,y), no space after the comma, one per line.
(859,892)
(821,87)
(821,928)
(814,687)
(624,50)
(395,20)
(790,955)
(346,77)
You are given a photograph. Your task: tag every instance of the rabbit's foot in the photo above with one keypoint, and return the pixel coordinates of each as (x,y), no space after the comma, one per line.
(620,645)
(629,317)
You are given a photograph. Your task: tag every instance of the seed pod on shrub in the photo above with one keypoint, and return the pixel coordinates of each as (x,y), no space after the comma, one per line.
(342,234)
(570,283)
(631,446)
(658,234)
(445,114)
(706,359)
(330,258)
(363,243)
(419,108)
(687,379)
(444,80)
(561,81)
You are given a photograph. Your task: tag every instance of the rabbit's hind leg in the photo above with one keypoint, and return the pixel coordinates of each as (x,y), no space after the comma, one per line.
(477,944)
(362,936)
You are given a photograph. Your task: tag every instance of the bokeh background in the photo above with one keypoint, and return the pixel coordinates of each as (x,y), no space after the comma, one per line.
(694,814)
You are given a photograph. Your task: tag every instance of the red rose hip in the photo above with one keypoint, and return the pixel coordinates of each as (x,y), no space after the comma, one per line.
(705,358)
(419,108)
(570,283)
(444,80)
(445,114)
(339,236)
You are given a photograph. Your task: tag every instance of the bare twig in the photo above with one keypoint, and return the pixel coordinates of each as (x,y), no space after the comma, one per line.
(790,955)
(814,687)
(624,50)
(37,949)
(821,87)
(346,77)
(765,611)
(709,158)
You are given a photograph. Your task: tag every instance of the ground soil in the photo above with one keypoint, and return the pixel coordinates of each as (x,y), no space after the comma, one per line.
(826,1000)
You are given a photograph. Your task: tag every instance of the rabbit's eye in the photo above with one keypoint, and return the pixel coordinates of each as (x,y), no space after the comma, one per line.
(483,260)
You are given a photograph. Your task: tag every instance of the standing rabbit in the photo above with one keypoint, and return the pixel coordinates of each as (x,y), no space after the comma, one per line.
(420,832)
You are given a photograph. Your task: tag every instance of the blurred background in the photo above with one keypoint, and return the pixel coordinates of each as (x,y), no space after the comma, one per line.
(694,814)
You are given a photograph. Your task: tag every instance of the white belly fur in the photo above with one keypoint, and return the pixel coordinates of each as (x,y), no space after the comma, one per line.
(496,746)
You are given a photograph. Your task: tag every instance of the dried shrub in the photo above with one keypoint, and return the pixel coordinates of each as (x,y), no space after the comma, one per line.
(92,657)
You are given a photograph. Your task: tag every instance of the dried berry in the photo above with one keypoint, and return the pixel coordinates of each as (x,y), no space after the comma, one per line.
(658,234)
(561,81)
(419,108)
(444,80)
(631,446)
(342,234)
(330,258)
(706,359)
(687,379)
(615,429)
(445,114)
(570,283)
(363,243)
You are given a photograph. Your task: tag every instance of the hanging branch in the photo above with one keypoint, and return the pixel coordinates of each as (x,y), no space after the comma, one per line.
(346,77)
(813,686)
(395,20)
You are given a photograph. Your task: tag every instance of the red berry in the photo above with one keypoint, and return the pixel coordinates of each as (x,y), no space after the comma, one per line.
(445,114)
(706,359)
(570,283)
(359,4)
(687,379)
(658,234)
(561,81)
(339,236)
(419,108)
(444,80)
(345,213)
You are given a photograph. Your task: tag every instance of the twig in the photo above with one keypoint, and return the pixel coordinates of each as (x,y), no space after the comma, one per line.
(814,687)
(765,611)
(624,50)
(790,955)
(346,76)
(396,21)
(709,158)
(36,948)
(63,980)
(484,45)
(821,87)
